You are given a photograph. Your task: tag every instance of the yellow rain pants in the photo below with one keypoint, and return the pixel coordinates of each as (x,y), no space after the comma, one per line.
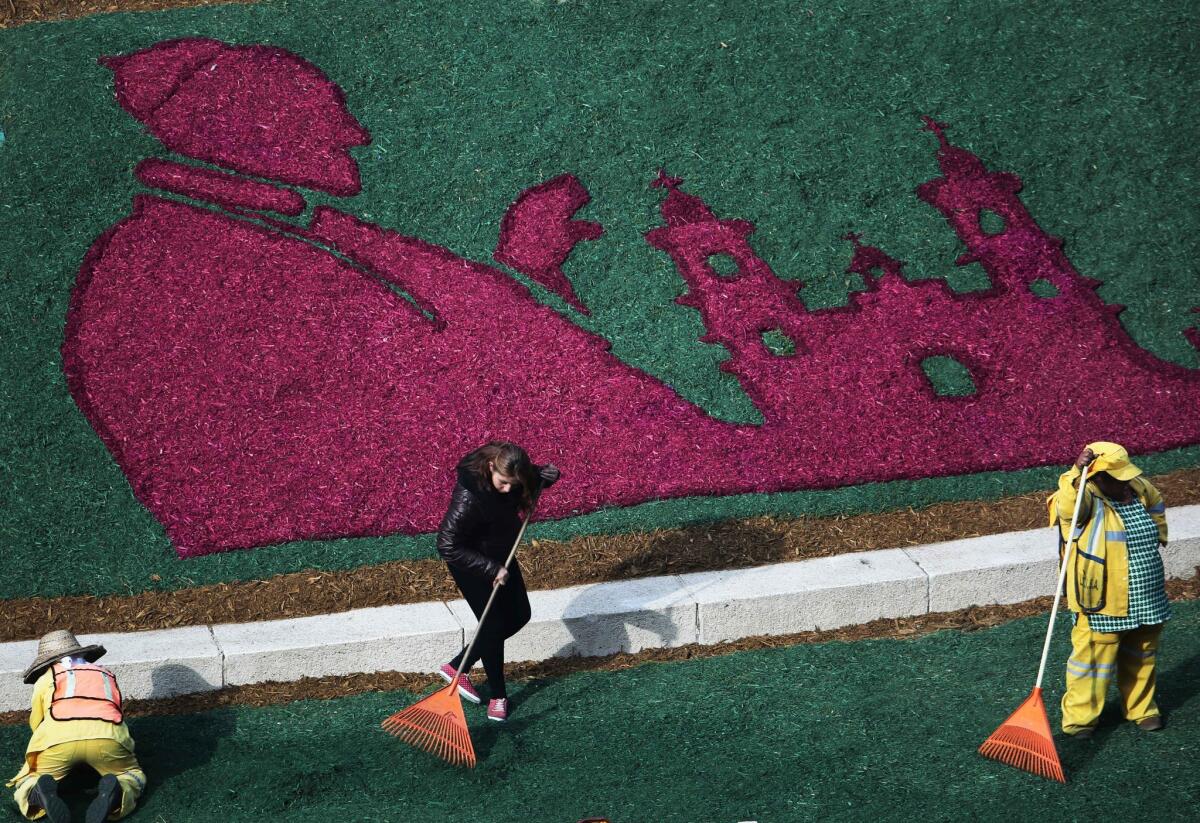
(106,756)
(1096,658)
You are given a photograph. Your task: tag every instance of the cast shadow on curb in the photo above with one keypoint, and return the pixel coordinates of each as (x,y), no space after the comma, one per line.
(170,745)
(589,636)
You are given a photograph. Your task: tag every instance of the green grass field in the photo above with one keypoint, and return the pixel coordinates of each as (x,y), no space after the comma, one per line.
(871,730)
(800,118)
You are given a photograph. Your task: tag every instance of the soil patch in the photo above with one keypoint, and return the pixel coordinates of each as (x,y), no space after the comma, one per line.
(549,565)
(15,13)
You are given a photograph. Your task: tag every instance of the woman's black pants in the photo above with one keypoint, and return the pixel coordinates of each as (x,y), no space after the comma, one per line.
(509,613)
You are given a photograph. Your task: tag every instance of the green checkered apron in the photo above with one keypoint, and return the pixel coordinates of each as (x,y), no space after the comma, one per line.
(1147,584)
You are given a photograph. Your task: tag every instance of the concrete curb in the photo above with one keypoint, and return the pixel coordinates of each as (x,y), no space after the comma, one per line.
(822,593)
(599,619)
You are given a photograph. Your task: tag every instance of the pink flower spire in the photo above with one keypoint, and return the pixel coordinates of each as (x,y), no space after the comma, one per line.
(737,306)
(966,193)
(680,208)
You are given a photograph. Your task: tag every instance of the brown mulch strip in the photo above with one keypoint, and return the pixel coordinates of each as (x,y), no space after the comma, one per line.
(15,13)
(547,565)
(326,688)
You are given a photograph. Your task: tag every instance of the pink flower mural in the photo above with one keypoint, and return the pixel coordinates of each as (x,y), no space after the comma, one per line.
(260,381)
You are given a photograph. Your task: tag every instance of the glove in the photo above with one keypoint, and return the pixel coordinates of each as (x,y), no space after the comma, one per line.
(549,474)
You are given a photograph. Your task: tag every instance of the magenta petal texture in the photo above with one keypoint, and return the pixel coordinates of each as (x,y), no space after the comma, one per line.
(537,233)
(260,383)
(224,189)
(254,109)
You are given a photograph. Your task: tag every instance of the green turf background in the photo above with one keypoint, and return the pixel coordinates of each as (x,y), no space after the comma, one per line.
(874,730)
(802,118)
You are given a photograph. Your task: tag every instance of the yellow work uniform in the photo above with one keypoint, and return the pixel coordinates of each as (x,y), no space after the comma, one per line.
(1114,585)
(1098,658)
(1098,573)
(57,746)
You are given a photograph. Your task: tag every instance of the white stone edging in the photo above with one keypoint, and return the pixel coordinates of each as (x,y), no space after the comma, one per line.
(598,619)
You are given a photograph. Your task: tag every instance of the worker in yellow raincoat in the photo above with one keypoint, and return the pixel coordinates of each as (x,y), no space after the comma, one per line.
(76,720)
(1115,585)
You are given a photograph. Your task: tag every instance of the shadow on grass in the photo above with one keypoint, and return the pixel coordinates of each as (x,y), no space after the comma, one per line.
(77,790)
(1078,754)
(484,738)
(1177,687)
(171,745)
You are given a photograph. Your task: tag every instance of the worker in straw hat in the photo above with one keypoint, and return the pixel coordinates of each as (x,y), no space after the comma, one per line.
(76,720)
(1115,586)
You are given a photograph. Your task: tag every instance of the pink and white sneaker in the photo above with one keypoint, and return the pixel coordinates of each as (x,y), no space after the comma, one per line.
(465,688)
(498,709)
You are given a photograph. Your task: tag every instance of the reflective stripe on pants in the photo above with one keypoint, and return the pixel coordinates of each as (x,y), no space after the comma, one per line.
(1096,658)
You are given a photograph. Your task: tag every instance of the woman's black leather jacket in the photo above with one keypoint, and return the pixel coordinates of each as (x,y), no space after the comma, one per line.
(481,524)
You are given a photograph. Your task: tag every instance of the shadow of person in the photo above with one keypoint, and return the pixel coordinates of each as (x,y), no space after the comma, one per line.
(604,619)
(624,617)
(168,745)
(1177,686)
(1076,754)
(648,612)
(652,608)
(486,734)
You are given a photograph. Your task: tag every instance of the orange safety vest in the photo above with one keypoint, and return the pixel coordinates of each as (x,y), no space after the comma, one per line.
(85,691)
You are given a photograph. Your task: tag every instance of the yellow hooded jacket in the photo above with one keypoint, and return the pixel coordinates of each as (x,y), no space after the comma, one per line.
(48,732)
(1098,570)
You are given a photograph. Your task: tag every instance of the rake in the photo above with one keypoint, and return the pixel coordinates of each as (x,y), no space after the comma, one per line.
(437,724)
(1024,740)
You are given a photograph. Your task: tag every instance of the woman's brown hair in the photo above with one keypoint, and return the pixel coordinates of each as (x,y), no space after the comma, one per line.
(510,460)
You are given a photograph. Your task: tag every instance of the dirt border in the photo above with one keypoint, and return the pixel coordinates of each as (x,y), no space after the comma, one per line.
(15,13)
(327,688)
(548,565)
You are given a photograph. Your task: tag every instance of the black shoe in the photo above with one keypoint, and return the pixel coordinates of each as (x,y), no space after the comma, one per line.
(45,794)
(109,795)
(1150,724)
(1084,734)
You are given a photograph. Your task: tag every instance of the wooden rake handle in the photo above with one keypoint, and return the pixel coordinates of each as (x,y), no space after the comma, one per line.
(495,590)
(1062,575)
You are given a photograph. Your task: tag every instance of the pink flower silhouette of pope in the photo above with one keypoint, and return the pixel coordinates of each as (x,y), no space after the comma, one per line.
(260,381)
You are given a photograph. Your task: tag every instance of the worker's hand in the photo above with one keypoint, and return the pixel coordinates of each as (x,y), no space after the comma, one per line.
(548,474)
(501,577)
(1085,459)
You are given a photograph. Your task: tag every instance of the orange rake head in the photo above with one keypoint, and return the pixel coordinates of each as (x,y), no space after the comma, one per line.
(437,725)
(1026,742)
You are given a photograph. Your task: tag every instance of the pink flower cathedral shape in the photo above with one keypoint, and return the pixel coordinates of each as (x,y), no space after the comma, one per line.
(260,381)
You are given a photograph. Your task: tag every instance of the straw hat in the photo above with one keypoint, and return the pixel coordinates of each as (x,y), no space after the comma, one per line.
(57,645)
(1113,459)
